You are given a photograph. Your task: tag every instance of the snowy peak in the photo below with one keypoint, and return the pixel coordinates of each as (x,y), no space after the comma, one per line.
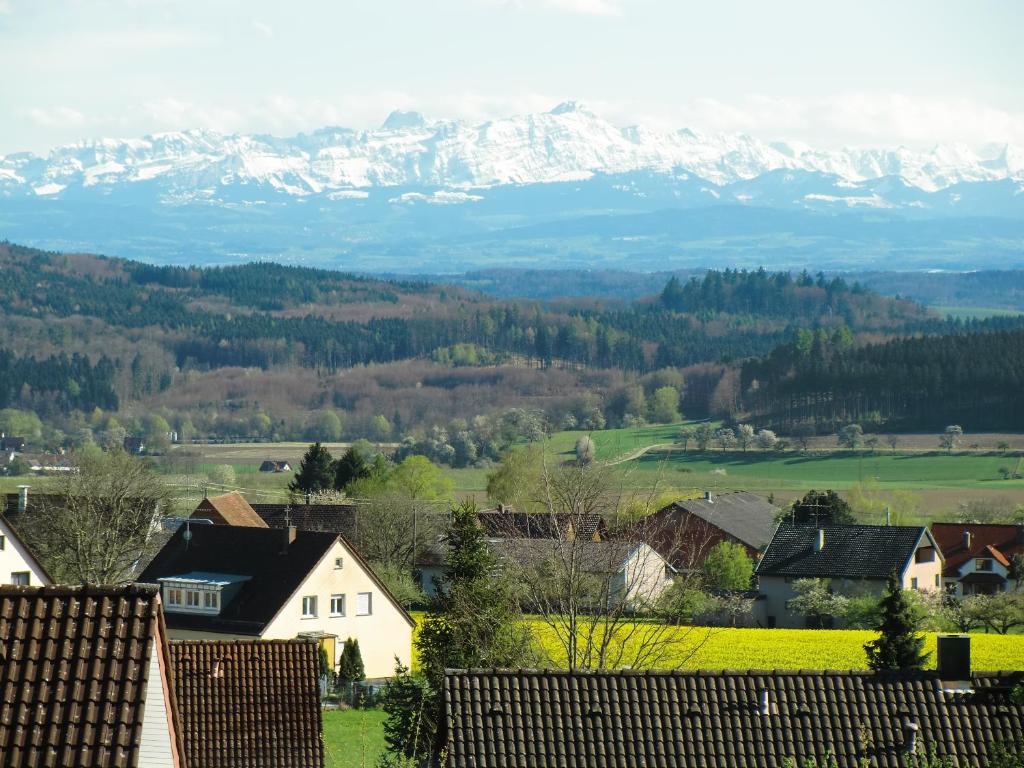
(566,143)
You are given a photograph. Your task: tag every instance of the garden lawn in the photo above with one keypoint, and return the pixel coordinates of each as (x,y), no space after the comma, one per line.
(353,738)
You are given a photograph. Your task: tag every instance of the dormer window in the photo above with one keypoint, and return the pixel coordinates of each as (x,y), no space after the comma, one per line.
(200,592)
(983,564)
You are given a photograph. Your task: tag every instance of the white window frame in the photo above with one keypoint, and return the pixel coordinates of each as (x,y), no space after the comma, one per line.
(193,599)
(309,602)
(174,596)
(211,601)
(21,578)
(335,601)
(339,563)
(359,603)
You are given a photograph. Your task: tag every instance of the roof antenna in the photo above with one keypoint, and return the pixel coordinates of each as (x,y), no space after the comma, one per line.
(187,535)
(288,516)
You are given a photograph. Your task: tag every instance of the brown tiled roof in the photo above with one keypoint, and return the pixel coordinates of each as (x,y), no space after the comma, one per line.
(229,509)
(507,719)
(331,518)
(74,662)
(249,703)
(1007,539)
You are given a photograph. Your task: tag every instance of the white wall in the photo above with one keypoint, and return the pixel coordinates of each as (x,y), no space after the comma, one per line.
(382,636)
(155,748)
(14,557)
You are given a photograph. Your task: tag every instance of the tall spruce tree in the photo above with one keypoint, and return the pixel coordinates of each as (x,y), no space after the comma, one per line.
(476,621)
(900,645)
(351,466)
(316,471)
(821,508)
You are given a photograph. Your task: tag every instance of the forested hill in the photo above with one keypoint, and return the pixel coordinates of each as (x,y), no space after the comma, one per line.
(928,382)
(121,332)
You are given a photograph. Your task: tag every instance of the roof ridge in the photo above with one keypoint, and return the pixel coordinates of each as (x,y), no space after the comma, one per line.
(85,590)
(735,672)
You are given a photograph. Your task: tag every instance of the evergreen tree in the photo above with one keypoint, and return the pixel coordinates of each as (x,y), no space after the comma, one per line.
(351,466)
(900,645)
(350,665)
(821,508)
(316,471)
(411,726)
(475,622)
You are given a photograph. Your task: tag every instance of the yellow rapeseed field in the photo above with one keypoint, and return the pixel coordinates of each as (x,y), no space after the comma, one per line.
(707,648)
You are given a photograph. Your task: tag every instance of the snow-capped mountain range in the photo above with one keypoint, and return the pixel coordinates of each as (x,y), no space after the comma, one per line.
(568,143)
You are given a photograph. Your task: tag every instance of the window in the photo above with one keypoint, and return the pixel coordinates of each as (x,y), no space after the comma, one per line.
(192,598)
(3,542)
(337,605)
(983,564)
(174,597)
(338,563)
(21,578)
(211,600)
(364,603)
(913,583)
(309,607)
(924,555)
(938,580)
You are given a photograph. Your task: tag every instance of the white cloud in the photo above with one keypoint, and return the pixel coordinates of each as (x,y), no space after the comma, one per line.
(585,7)
(263,28)
(54,116)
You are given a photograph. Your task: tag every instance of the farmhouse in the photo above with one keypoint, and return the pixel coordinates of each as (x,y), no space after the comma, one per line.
(725,719)
(86,679)
(17,563)
(685,531)
(854,559)
(246,582)
(249,702)
(14,444)
(979,558)
(272,465)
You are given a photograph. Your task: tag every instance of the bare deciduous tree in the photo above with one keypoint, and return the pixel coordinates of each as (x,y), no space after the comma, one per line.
(597,600)
(98,522)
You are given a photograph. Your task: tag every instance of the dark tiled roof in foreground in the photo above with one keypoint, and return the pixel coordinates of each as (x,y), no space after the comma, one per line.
(74,662)
(250,703)
(850,551)
(506,719)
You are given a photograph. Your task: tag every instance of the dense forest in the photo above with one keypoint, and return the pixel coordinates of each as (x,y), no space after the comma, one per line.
(263,350)
(923,382)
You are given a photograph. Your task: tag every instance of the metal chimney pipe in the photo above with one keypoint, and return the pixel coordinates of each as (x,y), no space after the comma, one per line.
(819,540)
(967,540)
(23,497)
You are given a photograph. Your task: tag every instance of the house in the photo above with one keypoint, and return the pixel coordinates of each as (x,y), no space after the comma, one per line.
(632,571)
(14,444)
(51,463)
(685,531)
(506,523)
(134,445)
(228,509)
(17,563)
(86,679)
(724,719)
(249,703)
(854,559)
(245,582)
(978,557)
(271,465)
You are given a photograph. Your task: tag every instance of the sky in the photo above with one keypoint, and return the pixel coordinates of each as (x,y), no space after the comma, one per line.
(825,72)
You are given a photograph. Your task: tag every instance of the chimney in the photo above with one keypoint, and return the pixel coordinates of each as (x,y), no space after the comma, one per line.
(953,657)
(910,729)
(288,538)
(218,668)
(23,497)
(967,540)
(764,707)
(819,540)
(708,497)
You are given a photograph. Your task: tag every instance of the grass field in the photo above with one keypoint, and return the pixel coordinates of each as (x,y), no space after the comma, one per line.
(353,738)
(976,313)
